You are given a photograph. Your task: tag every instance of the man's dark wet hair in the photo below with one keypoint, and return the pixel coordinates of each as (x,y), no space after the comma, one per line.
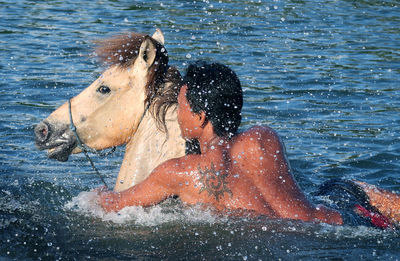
(215,89)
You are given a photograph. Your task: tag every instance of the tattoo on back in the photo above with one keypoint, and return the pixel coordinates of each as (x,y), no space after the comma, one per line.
(213,182)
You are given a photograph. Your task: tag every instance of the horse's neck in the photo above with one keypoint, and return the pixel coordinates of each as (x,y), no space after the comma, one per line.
(148,148)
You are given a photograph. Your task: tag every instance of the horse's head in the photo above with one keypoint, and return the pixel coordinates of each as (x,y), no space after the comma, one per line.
(108,112)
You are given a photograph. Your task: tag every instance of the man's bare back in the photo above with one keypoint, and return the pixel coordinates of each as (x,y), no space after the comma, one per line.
(248,172)
(245,172)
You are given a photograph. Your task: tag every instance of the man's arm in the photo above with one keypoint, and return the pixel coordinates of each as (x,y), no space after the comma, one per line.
(272,176)
(290,201)
(160,185)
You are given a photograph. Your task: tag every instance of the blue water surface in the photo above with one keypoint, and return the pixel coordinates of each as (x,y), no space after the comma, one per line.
(324,74)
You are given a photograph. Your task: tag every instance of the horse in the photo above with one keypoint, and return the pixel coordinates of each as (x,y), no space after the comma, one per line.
(133,102)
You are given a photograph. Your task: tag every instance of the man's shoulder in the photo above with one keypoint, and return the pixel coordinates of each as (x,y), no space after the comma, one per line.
(183,164)
(257,133)
(175,171)
(257,138)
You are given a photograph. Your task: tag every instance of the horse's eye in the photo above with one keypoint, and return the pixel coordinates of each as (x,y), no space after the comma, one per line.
(103,89)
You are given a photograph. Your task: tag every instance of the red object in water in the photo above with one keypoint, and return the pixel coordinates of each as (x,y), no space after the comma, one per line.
(376,219)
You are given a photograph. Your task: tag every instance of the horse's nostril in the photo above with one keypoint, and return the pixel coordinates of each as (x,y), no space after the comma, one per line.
(42,132)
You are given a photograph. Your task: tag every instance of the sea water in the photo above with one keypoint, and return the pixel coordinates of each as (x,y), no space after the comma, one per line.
(324,74)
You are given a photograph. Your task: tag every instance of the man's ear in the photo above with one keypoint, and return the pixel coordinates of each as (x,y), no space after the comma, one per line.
(203,119)
(147,52)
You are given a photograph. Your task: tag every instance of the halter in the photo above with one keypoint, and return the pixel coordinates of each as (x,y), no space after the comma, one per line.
(86,149)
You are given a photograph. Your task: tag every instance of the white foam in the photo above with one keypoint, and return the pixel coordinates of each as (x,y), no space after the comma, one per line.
(86,203)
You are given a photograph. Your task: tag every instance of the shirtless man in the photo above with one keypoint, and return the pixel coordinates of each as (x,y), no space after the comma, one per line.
(234,172)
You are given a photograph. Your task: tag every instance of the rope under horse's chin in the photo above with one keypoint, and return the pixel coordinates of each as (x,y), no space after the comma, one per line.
(86,149)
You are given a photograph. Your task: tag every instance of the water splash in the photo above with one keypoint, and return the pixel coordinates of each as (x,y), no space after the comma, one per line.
(86,203)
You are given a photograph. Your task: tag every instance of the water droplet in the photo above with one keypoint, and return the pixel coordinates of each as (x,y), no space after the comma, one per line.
(264,228)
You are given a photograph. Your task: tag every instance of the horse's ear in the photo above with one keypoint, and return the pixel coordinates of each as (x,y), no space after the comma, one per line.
(158,36)
(147,51)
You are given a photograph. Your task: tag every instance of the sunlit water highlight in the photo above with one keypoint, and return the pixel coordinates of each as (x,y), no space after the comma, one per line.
(324,74)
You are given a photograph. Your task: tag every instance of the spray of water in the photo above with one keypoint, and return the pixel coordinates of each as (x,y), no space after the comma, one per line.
(86,203)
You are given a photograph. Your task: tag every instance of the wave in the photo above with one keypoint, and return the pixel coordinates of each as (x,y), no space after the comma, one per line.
(171,210)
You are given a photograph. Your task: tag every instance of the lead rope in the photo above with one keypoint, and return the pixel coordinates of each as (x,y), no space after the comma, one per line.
(86,149)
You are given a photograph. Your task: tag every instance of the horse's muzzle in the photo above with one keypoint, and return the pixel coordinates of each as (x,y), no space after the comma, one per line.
(57,139)
(42,132)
